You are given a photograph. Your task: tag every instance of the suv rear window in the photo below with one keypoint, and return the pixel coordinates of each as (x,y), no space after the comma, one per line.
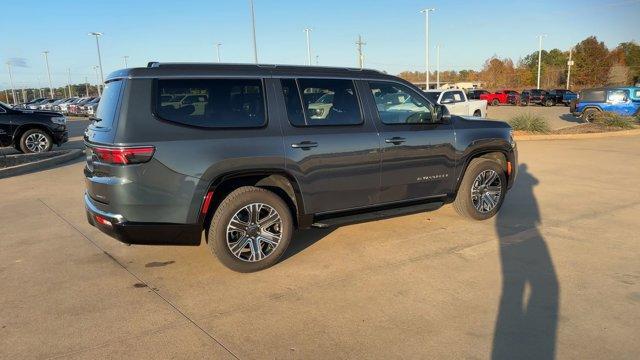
(108,105)
(214,103)
(317,102)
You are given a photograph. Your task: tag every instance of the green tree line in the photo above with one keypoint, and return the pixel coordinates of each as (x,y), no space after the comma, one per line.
(593,65)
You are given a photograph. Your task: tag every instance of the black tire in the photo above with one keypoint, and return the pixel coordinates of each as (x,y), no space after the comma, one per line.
(477,113)
(495,102)
(235,203)
(589,114)
(524,103)
(549,102)
(464,204)
(43,146)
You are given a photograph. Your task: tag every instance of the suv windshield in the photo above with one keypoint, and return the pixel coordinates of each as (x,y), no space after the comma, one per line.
(108,105)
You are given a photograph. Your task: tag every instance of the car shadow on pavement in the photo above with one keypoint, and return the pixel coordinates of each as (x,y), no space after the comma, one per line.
(528,315)
(571,118)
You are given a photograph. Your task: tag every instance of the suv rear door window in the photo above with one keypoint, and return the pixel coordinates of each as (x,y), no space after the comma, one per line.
(592,96)
(318,102)
(214,103)
(108,106)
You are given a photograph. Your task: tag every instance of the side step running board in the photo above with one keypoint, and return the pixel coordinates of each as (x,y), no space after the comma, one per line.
(375,215)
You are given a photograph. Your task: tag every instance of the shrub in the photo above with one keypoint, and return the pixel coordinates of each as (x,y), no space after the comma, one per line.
(529,123)
(615,120)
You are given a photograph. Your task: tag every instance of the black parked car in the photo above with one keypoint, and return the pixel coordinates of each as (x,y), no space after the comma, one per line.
(256,153)
(31,131)
(474,94)
(536,96)
(561,96)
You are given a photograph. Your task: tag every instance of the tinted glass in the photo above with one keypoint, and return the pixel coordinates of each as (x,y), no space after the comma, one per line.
(447,97)
(324,102)
(108,107)
(592,95)
(433,96)
(216,103)
(458,96)
(398,104)
(293,102)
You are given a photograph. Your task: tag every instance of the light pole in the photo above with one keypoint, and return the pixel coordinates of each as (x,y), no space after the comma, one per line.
(218,51)
(426,39)
(253,25)
(46,61)
(69,80)
(317,59)
(13,91)
(307,31)
(539,57)
(86,87)
(438,66)
(569,64)
(360,54)
(97,35)
(125,61)
(95,68)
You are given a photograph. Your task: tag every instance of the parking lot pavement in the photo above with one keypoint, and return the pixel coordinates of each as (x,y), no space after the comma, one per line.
(555,273)
(557,116)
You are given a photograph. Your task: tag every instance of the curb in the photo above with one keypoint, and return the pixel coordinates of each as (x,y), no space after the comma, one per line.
(578,136)
(40,165)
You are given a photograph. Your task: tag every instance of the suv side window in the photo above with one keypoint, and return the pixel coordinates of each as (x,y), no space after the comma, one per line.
(398,104)
(213,103)
(616,96)
(319,102)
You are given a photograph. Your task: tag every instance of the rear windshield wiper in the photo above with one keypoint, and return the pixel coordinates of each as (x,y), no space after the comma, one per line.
(95,119)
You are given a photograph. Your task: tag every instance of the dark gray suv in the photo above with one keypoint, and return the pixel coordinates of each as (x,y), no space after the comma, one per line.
(248,153)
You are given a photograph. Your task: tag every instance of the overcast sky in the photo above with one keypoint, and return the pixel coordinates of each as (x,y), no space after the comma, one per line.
(469,32)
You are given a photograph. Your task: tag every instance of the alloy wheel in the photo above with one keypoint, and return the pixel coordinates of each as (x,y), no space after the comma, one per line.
(486,191)
(36,142)
(254,232)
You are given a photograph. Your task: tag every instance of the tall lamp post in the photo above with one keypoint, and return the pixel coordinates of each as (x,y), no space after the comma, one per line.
(218,50)
(13,91)
(253,26)
(307,31)
(426,39)
(46,61)
(126,65)
(95,68)
(539,57)
(97,35)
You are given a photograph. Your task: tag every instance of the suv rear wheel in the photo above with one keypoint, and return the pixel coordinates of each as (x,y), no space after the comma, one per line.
(482,190)
(35,141)
(589,114)
(251,229)
(495,102)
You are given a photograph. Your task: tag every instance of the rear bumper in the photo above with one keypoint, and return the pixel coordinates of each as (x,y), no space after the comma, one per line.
(137,233)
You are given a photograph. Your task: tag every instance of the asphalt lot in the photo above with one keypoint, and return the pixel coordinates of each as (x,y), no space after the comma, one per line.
(555,273)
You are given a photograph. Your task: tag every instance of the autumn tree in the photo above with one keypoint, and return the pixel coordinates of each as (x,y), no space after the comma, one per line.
(498,73)
(592,63)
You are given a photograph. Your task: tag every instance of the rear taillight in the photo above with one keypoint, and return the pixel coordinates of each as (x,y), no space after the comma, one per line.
(124,155)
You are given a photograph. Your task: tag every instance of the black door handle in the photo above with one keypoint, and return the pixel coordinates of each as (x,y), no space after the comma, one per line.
(396,140)
(304,145)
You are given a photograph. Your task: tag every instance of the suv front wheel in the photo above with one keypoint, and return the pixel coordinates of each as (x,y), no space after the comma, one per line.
(482,190)
(35,141)
(251,229)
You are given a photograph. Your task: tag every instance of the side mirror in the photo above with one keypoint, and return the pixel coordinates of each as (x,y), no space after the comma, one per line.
(440,114)
(446,101)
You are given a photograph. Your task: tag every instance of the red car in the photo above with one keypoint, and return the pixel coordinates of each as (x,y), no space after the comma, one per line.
(500,97)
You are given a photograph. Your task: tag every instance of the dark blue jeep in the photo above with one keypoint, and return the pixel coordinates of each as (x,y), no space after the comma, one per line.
(619,100)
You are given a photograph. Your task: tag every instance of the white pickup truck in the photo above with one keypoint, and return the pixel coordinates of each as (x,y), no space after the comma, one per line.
(455,100)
